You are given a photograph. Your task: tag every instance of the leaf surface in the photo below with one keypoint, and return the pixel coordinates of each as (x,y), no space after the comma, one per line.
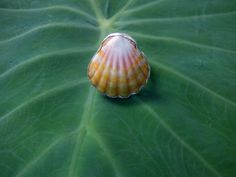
(54,123)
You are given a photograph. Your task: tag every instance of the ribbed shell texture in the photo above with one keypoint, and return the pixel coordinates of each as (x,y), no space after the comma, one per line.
(119,68)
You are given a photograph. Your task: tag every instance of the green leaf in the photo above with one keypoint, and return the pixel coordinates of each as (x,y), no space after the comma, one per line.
(53,123)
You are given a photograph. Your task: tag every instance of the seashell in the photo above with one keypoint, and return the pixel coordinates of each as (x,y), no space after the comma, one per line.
(119,68)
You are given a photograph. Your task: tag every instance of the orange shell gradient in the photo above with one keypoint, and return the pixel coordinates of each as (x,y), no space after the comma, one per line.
(119,68)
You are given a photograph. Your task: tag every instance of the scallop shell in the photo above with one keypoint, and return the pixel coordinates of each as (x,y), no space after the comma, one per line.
(119,68)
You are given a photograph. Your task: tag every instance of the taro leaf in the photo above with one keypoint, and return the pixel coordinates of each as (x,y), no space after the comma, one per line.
(53,123)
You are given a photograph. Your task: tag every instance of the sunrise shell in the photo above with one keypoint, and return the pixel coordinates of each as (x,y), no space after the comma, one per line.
(118,68)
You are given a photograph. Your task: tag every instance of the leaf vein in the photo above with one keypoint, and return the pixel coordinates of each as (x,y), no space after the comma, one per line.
(55,7)
(141,7)
(44,94)
(180,140)
(193,17)
(41,56)
(182,41)
(35,160)
(120,12)
(47,26)
(188,79)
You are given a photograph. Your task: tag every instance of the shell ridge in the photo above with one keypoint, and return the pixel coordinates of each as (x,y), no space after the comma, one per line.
(133,74)
(103,56)
(136,67)
(125,60)
(106,59)
(92,62)
(117,77)
(90,67)
(145,63)
(137,58)
(108,68)
(147,75)
(119,72)
(134,64)
(122,77)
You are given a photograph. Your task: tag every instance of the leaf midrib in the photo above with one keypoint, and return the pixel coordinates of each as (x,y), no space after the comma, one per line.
(82,127)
